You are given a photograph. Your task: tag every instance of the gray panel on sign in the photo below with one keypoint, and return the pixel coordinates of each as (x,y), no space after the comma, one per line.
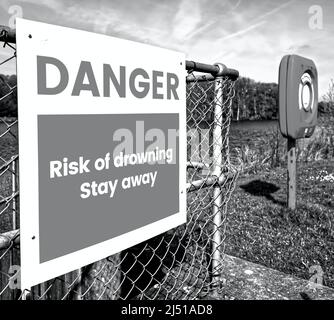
(69,223)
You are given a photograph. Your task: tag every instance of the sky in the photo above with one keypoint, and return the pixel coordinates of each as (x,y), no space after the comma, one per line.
(248,35)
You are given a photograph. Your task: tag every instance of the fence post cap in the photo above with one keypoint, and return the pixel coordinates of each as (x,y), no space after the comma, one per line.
(222,69)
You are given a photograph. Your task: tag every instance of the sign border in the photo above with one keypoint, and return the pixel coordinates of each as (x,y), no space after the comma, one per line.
(32,271)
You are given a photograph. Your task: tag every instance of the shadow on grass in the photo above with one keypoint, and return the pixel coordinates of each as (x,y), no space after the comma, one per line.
(260,188)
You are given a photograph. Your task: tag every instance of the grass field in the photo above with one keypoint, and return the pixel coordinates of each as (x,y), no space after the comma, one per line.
(261,229)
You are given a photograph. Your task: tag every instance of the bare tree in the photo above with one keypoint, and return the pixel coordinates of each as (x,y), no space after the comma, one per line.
(329,96)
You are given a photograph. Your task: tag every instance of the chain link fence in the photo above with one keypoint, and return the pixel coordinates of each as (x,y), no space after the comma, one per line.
(183,263)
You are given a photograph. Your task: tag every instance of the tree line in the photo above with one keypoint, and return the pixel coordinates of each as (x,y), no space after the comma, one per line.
(259,101)
(255,100)
(8,100)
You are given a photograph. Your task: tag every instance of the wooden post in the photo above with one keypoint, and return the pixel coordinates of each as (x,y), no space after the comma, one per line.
(292,170)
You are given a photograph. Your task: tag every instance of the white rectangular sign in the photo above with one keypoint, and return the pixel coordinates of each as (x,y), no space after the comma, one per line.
(102,146)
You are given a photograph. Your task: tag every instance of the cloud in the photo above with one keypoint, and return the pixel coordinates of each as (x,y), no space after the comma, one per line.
(276,10)
(187,19)
(216,18)
(243,31)
(300,47)
(51,4)
(138,27)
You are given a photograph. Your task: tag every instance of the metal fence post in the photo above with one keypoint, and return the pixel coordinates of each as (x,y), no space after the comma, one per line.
(78,294)
(217,172)
(13,255)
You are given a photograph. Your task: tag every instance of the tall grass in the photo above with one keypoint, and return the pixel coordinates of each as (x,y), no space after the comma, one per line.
(267,149)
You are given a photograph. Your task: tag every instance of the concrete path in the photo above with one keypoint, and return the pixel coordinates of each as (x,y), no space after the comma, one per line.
(243,280)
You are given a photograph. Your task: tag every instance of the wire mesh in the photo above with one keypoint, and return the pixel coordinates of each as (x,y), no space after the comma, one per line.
(183,263)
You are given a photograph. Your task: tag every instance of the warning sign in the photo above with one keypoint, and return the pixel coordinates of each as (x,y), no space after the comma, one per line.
(102,146)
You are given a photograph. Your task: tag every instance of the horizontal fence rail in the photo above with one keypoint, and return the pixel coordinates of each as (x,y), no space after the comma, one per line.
(183,263)
(7,35)
(214,70)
